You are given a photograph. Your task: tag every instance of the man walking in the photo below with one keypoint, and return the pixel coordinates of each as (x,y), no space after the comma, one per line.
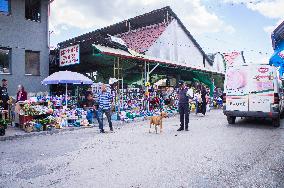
(104,100)
(184,95)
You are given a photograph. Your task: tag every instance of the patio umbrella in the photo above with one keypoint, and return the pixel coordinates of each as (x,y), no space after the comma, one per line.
(67,77)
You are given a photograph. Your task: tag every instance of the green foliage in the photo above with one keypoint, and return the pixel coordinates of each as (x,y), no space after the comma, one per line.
(4,123)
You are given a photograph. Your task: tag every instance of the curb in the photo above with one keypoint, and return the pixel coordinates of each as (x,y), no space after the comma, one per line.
(56,131)
(41,133)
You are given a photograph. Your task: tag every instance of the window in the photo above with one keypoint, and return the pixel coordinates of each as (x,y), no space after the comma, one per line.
(5,61)
(32,66)
(5,7)
(33,10)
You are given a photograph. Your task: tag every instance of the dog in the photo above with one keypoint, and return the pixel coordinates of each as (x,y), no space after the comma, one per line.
(158,121)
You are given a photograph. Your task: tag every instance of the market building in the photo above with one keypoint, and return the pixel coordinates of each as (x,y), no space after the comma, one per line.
(24,48)
(277,59)
(153,43)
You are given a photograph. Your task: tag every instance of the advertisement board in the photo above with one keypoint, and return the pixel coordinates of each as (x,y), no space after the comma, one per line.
(69,56)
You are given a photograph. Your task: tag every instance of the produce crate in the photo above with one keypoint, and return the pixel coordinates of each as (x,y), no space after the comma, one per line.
(25,119)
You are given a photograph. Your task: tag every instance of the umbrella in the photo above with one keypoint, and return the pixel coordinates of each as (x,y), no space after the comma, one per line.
(67,77)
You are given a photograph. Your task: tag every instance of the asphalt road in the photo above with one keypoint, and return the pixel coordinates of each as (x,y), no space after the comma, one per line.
(212,154)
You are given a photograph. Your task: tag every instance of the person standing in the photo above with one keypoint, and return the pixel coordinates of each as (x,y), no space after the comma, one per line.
(183,106)
(104,101)
(4,96)
(21,94)
(203,97)
(90,106)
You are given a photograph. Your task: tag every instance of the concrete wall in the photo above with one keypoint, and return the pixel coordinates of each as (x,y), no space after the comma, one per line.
(20,34)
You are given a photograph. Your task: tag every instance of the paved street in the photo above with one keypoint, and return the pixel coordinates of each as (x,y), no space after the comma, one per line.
(211,154)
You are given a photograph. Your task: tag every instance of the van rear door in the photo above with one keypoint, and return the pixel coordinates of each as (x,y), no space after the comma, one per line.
(261,94)
(237,88)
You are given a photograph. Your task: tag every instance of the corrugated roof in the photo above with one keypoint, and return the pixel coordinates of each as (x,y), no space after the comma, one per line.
(100,36)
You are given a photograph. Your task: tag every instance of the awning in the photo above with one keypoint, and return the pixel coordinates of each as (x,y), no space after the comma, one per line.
(134,55)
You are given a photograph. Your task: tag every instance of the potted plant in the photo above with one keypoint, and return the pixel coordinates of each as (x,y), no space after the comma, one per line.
(4,123)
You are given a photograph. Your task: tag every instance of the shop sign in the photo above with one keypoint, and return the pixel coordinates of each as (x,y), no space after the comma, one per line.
(69,55)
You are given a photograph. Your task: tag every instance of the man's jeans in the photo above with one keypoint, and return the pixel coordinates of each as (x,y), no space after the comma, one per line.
(90,116)
(100,114)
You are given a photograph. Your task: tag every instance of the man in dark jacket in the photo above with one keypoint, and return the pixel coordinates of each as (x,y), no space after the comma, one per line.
(183,106)
(204,102)
(4,96)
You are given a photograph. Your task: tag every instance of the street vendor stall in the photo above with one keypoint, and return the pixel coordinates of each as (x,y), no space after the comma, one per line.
(48,112)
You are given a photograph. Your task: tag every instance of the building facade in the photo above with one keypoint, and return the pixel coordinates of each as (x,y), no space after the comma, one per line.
(24,48)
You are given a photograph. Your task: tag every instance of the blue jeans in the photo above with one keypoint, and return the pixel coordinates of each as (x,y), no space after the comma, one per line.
(90,116)
(100,113)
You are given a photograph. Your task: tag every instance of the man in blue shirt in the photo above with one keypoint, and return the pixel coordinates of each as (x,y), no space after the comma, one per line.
(104,100)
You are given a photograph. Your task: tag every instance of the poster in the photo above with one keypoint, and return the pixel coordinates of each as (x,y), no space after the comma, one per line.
(69,55)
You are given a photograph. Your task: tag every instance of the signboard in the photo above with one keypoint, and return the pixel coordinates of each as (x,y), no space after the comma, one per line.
(69,55)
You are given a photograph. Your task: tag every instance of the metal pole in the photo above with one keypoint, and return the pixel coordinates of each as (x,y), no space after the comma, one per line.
(145,73)
(66,96)
(154,68)
(145,80)
(148,78)
(148,72)
(122,93)
(118,84)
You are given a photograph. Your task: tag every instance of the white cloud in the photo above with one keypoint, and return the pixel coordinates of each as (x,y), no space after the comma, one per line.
(200,20)
(97,14)
(270,29)
(270,9)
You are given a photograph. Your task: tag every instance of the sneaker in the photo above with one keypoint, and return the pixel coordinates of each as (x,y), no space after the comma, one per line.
(102,131)
(180,129)
(111,129)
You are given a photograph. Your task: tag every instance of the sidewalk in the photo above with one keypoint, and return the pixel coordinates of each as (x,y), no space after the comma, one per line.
(15,132)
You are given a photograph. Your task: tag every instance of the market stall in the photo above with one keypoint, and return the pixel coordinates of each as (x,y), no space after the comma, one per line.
(49,112)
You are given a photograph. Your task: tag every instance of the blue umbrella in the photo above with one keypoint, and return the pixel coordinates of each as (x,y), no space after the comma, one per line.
(67,77)
(277,59)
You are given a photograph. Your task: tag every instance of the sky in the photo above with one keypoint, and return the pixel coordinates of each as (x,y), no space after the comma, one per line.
(217,25)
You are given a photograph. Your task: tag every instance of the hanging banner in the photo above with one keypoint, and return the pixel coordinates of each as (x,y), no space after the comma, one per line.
(69,55)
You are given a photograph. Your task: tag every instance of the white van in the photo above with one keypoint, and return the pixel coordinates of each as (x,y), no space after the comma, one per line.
(253,90)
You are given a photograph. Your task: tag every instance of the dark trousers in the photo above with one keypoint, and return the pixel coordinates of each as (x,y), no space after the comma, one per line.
(100,116)
(184,114)
(203,108)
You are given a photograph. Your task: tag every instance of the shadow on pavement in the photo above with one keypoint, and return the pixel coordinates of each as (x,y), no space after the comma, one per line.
(258,123)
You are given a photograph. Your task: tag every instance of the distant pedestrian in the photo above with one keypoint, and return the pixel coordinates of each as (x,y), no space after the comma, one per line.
(4,96)
(204,102)
(104,100)
(183,106)
(21,94)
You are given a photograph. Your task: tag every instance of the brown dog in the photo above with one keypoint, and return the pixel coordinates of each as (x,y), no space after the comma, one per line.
(157,120)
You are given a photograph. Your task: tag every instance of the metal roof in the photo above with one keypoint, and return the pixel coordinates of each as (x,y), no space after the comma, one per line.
(101,36)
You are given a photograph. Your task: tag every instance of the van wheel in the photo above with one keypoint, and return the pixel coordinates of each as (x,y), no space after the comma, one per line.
(276,122)
(231,119)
